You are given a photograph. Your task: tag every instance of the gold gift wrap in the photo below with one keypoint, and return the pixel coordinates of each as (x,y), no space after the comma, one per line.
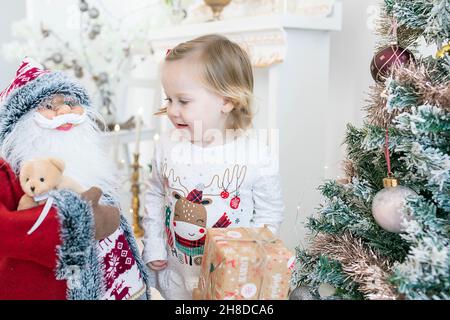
(244,264)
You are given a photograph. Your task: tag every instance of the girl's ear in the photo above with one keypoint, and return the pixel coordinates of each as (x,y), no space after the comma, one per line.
(227,106)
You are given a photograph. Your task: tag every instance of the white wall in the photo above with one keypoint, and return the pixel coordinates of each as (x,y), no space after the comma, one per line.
(351,52)
(9,11)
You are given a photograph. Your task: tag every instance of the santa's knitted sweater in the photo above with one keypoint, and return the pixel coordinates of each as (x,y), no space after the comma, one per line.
(192,188)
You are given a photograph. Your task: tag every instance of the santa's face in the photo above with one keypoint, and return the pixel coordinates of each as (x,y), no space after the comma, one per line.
(59,113)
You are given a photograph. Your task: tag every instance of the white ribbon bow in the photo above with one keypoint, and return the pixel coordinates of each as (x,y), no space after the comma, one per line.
(44,212)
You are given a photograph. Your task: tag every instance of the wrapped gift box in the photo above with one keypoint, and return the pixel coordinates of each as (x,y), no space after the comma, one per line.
(197,294)
(244,263)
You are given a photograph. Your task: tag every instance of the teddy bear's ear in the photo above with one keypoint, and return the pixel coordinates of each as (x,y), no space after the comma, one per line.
(25,164)
(58,163)
(23,169)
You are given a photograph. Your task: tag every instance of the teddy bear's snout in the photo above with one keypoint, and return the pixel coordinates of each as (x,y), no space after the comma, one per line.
(35,187)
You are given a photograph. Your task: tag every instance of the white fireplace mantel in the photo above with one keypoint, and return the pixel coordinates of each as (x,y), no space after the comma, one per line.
(264,36)
(290,55)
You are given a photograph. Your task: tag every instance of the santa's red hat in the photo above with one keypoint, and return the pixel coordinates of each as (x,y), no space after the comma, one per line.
(32,84)
(28,71)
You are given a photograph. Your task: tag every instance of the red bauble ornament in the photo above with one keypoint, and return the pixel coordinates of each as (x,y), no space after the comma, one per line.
(234,203)
(224,194)
(383,61)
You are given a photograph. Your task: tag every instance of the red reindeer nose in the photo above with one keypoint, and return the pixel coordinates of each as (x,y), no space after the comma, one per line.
(201,230)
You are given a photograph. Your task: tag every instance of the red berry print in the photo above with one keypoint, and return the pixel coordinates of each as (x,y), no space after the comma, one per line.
(224,194)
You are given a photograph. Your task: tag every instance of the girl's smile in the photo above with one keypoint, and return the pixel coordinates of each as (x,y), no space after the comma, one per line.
(181,126)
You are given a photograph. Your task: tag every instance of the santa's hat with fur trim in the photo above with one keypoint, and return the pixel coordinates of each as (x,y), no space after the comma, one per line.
(31,85)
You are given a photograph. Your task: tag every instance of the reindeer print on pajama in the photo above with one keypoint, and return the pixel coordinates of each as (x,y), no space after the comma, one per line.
(192,189)
(191,218)
(189,224)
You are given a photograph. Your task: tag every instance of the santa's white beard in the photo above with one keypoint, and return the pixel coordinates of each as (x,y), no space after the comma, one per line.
(80,148)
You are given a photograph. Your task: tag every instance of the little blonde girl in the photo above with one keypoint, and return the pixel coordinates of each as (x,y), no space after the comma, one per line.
(208,172)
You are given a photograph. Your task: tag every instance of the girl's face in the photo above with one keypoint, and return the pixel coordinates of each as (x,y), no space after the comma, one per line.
(191,107)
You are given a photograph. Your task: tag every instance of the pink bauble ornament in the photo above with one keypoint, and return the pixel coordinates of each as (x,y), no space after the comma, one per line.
(388,205)
(234,203)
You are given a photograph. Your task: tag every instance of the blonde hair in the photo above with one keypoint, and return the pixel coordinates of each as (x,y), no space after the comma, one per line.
(225,70)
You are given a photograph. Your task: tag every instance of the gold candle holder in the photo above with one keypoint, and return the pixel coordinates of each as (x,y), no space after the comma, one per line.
(138,232)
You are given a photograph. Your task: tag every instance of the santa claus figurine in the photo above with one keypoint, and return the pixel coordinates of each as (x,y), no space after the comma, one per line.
(84,248)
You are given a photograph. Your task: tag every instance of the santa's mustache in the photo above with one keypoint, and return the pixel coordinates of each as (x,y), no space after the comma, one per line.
(58,121)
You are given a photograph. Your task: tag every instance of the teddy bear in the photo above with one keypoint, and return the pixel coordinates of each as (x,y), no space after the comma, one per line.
(39,176)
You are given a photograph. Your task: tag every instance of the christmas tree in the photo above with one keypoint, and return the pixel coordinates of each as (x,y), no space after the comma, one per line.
(384,231)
